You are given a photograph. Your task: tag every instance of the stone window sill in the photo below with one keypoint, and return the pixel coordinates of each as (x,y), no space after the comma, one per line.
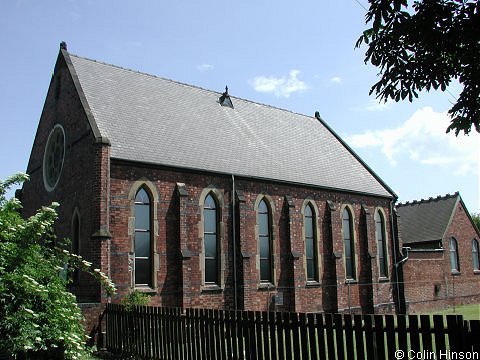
(351,281)
(211,288)
(476,272)
(146,290)
(456,273)
(383,279)
(312,284)
(266,286)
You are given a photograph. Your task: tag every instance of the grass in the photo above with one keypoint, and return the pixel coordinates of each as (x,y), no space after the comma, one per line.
(469,312)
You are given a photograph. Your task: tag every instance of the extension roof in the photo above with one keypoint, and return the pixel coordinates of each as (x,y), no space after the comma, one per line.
(426,220)
(158,121)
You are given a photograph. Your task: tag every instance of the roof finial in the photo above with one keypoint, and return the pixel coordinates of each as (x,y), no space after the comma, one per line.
(225,100)
(63,45)
(226,90)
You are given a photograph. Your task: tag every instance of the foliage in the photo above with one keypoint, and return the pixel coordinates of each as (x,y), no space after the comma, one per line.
(135,298)
(425,47)
(37,313)
(476,220)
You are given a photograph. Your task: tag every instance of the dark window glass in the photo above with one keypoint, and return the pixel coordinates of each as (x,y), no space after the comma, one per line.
(143,272)
(143,241)
(265,270)
(454,263)
(265,242)
(211,273)
(348,244)
(381,244)
(310,243)
(475,255)
(142,244)
(211,246)
(142,216)
(210,238)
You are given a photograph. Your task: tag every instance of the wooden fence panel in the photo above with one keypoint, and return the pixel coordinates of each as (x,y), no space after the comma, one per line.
(338,323)
(329,330)
(359,342)
(390,331)
(414,334)
(196,334)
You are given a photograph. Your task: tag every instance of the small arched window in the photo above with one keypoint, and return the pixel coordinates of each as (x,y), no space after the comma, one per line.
(454,261)
(143,239)
(310,243)
(210,238)
(76,244)
(381,244)
(265,241)
(348,244)
(475,255)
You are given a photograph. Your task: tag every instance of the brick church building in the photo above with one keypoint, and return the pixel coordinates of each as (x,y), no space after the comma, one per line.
(441,244)
(202,199)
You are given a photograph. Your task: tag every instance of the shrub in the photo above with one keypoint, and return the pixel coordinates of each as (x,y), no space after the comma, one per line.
(135,298)
(37,313)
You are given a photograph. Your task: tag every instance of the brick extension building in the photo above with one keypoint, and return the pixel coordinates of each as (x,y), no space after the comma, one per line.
(443,264)
(206,200)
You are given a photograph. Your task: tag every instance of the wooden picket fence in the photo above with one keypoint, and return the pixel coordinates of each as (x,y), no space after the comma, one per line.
(201,334)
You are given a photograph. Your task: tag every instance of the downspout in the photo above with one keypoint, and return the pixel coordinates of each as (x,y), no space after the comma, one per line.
(234,244)
(395,256)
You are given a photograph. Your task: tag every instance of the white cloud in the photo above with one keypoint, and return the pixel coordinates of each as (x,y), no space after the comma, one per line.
(422,139)
(279,86)
(336,80)
(376,105)
(205,67)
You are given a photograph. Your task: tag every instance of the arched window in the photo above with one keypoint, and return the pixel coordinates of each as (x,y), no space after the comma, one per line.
(143,239)
(265,241)
(454,262)
(381,244)
(75,243)
(348,244)
(310,243)
(210,238)
(475,255)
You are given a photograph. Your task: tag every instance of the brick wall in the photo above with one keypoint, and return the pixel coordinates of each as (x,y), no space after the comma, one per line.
(77,188)
(179,279)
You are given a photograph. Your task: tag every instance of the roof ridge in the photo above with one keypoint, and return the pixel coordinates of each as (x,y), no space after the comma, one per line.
(429,200)
(189,85)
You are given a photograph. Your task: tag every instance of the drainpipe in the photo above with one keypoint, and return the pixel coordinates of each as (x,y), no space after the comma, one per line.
(234,244)
(393,228)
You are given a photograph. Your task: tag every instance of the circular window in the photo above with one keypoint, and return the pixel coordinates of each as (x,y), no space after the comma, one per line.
(53,157)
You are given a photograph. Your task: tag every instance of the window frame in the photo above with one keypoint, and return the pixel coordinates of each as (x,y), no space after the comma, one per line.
(454,256)
(379,218)
(75,244)
(269,236)
(475,255)
(314,239)
(217,281)
(351,239)
(149,258)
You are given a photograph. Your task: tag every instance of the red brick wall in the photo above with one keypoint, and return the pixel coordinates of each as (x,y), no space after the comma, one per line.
(77,187)
(429,282)
(290,277)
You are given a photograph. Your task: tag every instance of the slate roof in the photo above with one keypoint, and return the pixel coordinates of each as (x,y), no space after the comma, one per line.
(426,220)
(154,120)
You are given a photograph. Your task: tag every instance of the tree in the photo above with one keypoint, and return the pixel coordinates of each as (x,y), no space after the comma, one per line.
(37,313)
(425,47)
(476,220)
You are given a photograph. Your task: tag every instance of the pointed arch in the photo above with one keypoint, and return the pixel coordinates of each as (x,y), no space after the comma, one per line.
(143,231)
(211,232)
(475,255)
(454,259)
(264,209)
(381,239)
(348,234)
(310,235)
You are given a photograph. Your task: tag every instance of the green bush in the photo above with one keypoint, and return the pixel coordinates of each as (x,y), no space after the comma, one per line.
(37,313)
(135,298)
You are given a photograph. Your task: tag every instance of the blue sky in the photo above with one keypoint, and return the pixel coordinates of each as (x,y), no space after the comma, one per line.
(298,56)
